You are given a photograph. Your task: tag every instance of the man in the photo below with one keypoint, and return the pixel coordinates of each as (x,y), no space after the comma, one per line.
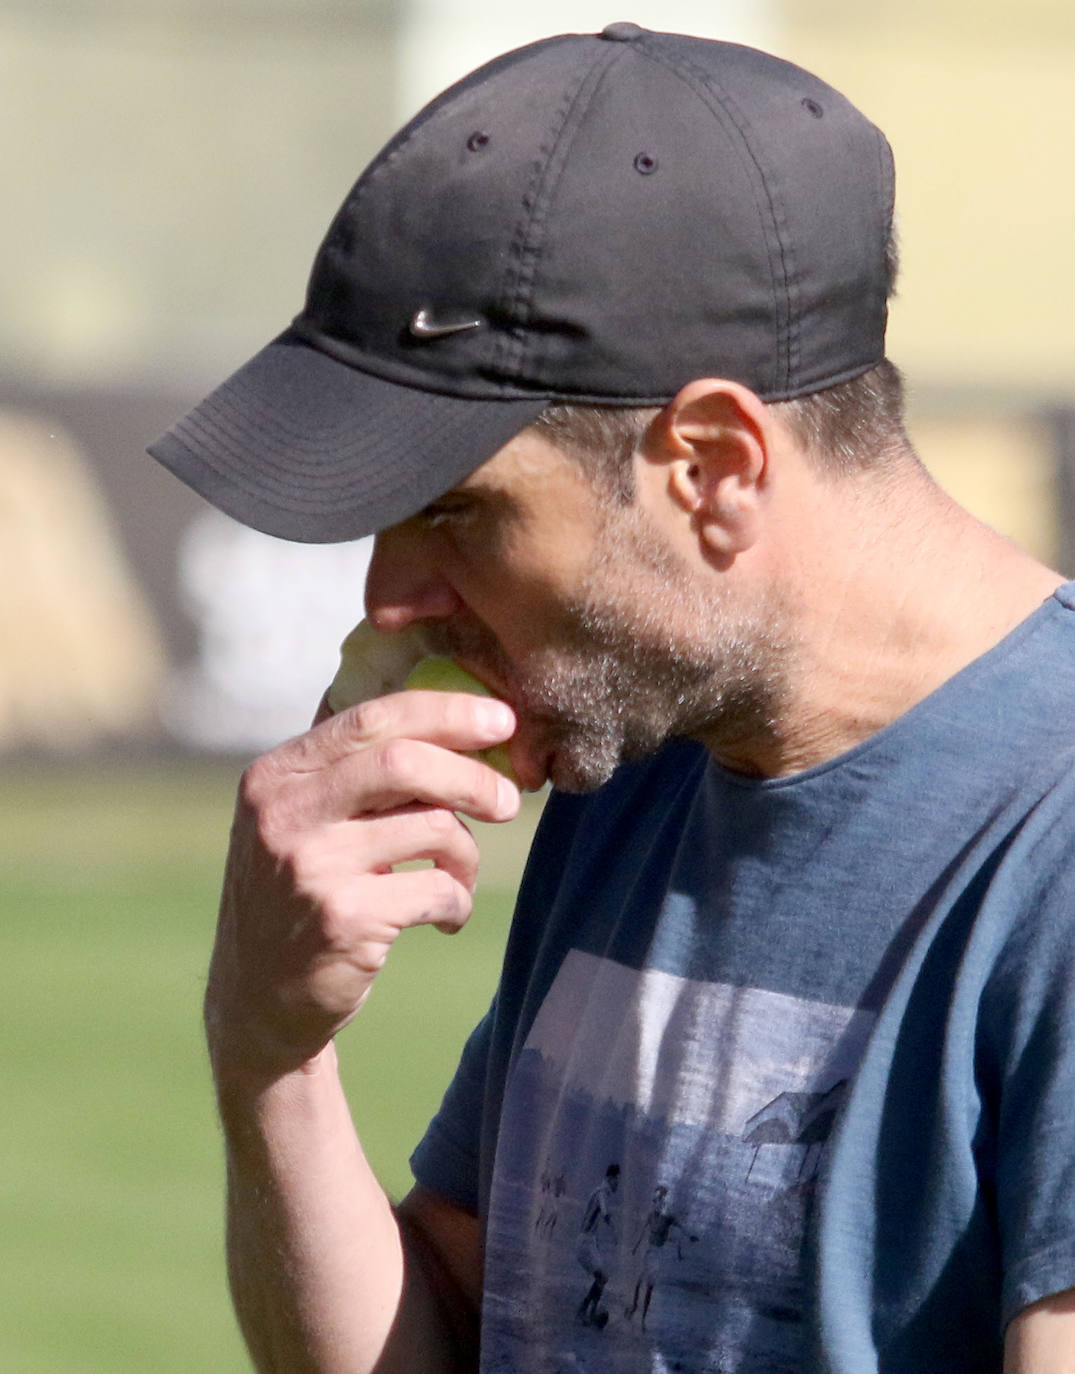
(597,346)
(597,1239)
(656,1231)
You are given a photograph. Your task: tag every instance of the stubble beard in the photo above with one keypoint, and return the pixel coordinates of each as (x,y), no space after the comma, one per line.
(636,676)
(625,673)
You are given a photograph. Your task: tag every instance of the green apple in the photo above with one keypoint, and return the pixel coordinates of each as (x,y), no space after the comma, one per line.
(440,674)
(374,664)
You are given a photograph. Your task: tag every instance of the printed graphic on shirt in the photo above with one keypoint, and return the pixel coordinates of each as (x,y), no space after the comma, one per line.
(660,1147)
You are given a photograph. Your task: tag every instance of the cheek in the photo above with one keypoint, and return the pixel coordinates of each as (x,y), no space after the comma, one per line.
(521,598)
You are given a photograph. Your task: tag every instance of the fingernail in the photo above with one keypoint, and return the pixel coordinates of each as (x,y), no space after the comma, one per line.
(507,795)
(501,717)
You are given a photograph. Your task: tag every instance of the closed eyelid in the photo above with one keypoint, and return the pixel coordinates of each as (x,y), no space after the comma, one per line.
(438,512)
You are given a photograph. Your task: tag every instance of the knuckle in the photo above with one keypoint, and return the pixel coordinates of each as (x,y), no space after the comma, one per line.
(438,887)
(274,822)
(256,783)
(305,867)
(265,781)
(336,924)
(441,824)
(366,719)
(395,760)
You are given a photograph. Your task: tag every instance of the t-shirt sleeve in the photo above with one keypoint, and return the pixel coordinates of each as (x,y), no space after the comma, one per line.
(446,1160)
(949,1198)
(1027,1032)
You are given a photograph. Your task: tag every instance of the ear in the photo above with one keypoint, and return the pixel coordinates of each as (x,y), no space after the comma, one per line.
(715,440)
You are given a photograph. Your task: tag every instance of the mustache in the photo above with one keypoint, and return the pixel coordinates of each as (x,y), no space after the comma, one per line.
(535,692)
(472,643)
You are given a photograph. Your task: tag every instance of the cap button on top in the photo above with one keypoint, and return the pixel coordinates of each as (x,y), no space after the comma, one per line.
(621,32)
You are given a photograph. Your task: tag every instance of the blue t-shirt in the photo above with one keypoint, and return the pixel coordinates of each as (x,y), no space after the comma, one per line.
(780,1075)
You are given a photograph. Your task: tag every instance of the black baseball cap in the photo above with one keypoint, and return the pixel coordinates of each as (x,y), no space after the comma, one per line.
(591,218)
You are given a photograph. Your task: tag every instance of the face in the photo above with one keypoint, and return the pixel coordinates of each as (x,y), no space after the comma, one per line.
(578,609)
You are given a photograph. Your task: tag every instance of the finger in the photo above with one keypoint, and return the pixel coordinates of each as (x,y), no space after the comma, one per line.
(351,941)
(454,720)
(424,897)
(368,913)
(397,773)
(378,843)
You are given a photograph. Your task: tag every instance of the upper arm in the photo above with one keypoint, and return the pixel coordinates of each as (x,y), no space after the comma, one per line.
(452,1235)
(437,1328)
(1041,1339)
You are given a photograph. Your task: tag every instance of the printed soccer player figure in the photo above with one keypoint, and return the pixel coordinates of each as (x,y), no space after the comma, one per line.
(591,1255)
(552,1190)
(658,1227)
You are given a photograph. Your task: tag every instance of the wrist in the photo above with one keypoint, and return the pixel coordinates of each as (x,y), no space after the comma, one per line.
(243,1076)
(246,1047)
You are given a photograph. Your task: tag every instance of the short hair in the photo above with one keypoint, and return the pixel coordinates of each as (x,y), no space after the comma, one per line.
(601,439)
(852,426)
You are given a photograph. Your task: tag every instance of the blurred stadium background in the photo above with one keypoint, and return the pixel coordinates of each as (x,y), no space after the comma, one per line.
(171,166)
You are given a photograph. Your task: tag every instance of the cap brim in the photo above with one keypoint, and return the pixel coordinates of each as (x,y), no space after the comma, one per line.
(301,446)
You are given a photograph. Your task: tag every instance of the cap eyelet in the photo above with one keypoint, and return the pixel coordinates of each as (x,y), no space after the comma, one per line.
(477,141)
(813,107)
(646,164)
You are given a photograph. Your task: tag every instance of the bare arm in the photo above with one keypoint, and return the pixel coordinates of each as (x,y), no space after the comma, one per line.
(326,1277)
(316,1255)
(1041,1339)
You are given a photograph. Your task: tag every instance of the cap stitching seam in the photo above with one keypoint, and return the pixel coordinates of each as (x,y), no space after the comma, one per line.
(707,89)
(382,163)
(275,483)
(531,230)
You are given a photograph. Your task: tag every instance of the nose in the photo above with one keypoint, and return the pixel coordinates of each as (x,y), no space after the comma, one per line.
(406,581)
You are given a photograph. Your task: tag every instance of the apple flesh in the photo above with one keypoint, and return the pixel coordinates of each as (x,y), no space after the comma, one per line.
(374,664)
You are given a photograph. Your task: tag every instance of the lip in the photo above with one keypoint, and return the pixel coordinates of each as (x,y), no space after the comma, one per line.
(530,757)
(531,773)
(484,676)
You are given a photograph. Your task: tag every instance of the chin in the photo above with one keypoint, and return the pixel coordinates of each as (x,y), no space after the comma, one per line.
(570,773)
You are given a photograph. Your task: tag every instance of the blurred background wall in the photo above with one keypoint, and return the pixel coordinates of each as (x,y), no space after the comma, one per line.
(171,167)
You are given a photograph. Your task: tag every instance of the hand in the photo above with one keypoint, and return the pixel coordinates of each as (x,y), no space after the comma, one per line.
(311,904)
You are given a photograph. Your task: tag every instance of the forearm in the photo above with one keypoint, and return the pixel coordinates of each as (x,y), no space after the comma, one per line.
(315,1255)
(314,898)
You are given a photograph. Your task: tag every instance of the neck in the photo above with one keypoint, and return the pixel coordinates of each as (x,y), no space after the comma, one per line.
(876,620)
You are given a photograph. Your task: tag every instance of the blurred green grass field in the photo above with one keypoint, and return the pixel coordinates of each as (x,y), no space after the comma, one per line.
(111,1253)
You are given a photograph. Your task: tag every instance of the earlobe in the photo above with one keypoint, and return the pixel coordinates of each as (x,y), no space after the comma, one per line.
(728,532)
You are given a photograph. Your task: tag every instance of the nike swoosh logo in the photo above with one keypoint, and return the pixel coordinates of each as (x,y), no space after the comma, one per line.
(424,325)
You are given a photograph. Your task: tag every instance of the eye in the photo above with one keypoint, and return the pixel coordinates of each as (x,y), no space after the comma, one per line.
(448,512)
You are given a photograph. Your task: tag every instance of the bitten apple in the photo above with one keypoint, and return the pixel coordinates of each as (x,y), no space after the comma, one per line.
(374,664)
